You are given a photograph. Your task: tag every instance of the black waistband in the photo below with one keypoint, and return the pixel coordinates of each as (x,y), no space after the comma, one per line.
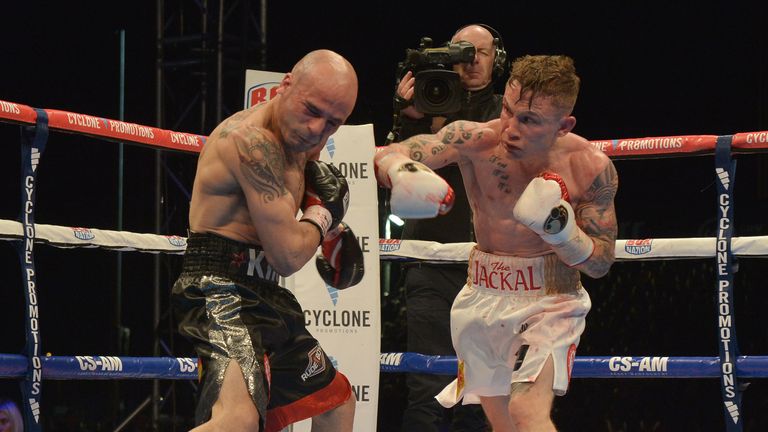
(212,254)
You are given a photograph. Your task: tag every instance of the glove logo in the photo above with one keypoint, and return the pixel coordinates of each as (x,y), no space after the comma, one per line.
(412,167)
(556,220)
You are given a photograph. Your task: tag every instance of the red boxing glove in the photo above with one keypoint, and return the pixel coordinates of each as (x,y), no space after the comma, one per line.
(341,263)
(326,197)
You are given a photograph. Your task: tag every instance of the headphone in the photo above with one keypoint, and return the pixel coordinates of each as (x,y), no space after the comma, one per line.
(500,57)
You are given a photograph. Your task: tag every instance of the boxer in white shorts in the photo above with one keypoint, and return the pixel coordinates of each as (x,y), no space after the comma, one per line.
(542,209)
(513,314)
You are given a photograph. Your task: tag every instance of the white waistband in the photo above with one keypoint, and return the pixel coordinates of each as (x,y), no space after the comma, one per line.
(507,275)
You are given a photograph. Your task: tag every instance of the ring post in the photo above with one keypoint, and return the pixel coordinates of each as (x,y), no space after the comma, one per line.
(725,266)
(33,140)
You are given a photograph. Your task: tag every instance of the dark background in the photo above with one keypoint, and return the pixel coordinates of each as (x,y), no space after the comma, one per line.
(647,70)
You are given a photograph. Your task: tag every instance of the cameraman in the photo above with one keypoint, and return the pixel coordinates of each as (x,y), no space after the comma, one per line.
(431,288)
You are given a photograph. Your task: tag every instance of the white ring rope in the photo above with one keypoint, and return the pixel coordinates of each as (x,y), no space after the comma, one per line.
(644,249)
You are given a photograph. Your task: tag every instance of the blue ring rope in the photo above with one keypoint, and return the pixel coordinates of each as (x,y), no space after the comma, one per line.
(185,368)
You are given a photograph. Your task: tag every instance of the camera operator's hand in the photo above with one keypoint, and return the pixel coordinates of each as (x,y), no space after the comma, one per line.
(405,92)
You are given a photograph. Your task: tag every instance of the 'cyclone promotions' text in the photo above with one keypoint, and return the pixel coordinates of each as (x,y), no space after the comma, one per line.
(725,320)
(337,318)
(37,367)
(353,170)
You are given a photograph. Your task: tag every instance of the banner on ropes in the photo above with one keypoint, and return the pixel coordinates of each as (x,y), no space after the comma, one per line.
(347,323)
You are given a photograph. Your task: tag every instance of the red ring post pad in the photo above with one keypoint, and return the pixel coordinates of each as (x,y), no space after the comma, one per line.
(17,112)
(122,131)
(114,130)
(657,146)
(130,132)
(750,141)
(678,145)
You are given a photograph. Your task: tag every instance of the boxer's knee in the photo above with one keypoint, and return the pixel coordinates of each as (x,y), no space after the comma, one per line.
(526,408)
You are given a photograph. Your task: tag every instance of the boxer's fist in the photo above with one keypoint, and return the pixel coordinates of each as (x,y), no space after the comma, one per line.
(543,207)
(341,263)
(326,196)
(417,192)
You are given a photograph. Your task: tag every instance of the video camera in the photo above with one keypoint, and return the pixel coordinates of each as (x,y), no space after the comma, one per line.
(437,89)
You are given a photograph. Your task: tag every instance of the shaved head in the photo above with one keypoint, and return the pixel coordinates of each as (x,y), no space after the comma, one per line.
(330,64)
(315,99)
(467,32)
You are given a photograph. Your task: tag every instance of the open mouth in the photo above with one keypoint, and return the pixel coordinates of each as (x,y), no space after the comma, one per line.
(510,147)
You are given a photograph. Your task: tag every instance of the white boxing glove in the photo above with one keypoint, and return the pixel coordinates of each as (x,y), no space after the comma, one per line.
(543,207)
(417,192)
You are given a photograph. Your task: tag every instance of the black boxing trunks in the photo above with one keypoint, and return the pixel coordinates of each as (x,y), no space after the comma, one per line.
(229,305)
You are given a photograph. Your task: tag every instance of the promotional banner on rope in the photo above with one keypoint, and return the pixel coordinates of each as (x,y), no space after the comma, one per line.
(347,323)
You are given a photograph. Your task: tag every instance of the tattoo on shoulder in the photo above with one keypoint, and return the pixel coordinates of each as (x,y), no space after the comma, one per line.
(263,164)
(598,212)
(604,187)
(231,124)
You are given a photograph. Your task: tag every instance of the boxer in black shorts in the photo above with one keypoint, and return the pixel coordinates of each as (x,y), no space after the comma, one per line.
(261,369)
(229,305)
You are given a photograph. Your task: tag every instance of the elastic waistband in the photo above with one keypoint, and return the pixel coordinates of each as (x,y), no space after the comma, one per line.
(212,254)
(510,275)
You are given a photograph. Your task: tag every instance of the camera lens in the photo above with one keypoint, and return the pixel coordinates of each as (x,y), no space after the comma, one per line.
(436,91)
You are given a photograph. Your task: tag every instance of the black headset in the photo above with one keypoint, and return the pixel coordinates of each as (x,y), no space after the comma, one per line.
(500,57)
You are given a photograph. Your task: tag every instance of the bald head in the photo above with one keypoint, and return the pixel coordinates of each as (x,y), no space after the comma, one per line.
(478,74)
(315,99)
(472,32)
(325,64)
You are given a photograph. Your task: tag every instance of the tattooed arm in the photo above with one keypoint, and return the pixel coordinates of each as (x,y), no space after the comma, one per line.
(435,151)
(597,217)
(261,172)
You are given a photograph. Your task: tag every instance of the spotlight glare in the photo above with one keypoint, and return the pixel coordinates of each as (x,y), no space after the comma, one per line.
(396,220)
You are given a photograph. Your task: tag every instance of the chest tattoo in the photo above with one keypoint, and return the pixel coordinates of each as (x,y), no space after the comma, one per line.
(500,172)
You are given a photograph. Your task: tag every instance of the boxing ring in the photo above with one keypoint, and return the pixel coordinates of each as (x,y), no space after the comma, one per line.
(33,367)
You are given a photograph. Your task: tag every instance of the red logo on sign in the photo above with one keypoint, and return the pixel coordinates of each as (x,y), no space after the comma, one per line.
(261,93)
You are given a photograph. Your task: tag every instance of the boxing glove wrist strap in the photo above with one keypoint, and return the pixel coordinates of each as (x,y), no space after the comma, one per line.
(318,216)
(576,249)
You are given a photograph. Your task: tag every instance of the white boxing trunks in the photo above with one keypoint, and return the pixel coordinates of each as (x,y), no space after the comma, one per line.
(507,320)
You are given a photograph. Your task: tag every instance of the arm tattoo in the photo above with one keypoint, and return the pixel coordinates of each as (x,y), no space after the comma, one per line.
(416,147)
(597,218)
(263,165)
(435,147)
(420,147)
(454,133)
